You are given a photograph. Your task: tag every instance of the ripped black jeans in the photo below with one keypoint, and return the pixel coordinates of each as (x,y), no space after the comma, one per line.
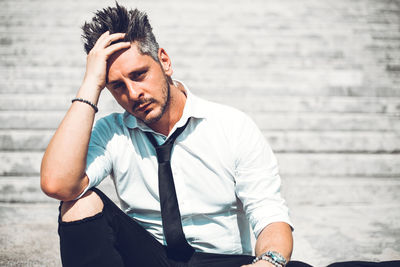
(111,238)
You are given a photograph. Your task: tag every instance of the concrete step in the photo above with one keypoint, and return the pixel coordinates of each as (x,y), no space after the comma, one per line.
(280,141)
(25,140)
(247,103)
(327,122)
(22,189)
(359,165)
(294,164)
(270,86)
(26,189)
(20,163)
(297,190)
(64,85)
(288,56)
(340,191)
(307,121)
(333,142)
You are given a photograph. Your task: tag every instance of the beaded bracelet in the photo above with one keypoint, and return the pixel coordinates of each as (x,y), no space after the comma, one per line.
(273,257)
(266,258)
(86,102)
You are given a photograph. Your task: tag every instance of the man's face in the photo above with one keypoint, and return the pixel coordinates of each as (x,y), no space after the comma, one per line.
(138,83)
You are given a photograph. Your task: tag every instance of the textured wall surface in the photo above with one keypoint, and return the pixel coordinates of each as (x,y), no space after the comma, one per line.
(321,79)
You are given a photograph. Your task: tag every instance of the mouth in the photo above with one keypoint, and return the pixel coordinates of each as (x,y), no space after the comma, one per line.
(141,107)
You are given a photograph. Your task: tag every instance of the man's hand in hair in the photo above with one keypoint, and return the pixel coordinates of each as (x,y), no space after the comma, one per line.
(96,65)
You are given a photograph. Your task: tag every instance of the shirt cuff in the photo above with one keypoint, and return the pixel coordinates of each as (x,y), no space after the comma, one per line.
(86,189)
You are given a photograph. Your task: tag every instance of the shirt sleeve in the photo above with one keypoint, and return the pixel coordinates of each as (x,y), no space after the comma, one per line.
(98,160)
(257,178)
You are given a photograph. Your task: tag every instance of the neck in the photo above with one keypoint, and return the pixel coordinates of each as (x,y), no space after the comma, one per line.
(173,111)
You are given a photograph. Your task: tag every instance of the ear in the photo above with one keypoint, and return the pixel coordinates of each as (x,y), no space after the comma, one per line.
(165,62)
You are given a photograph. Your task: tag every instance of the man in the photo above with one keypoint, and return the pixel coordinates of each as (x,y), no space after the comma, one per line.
(189,206)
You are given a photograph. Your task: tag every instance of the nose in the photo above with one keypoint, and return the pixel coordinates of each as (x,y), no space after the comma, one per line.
(134,91)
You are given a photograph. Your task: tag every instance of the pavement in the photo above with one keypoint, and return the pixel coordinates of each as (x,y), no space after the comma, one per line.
(339,224)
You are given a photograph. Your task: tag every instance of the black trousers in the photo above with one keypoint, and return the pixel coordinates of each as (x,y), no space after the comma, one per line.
(111,238)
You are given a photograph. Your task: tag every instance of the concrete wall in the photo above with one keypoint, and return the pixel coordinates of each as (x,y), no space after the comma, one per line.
(320,78)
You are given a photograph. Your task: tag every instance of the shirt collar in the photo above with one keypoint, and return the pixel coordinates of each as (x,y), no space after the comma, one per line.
(192,109)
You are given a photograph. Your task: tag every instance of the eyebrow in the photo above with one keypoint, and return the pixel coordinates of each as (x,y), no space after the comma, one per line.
(131,74)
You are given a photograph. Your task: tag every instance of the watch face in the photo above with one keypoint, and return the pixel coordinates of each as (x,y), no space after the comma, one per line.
(276,257)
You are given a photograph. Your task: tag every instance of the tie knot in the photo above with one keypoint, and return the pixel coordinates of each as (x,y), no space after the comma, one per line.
(164,152)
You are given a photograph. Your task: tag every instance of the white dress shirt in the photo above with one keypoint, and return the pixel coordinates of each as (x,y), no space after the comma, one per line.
(225,174)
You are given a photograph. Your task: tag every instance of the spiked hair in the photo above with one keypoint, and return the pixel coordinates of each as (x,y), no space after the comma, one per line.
(118,19)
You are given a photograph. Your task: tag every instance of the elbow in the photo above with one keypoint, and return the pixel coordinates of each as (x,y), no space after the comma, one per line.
(50,188)
(50,182)
(54,188)
(60,184)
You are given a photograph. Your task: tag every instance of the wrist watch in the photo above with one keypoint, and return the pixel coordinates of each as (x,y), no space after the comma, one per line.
(273,257)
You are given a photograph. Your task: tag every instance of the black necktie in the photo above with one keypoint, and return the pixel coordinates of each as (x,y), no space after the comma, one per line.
(177,246)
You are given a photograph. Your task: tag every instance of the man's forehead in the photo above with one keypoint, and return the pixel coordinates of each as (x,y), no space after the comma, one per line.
(126,52)
(125,61)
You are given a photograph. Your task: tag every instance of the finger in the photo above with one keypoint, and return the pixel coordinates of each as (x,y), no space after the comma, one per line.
(115,47)
(111,38)
(102,37)
(104,34)
(106,39)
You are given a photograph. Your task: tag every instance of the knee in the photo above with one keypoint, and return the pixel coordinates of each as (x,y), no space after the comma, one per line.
(88,205)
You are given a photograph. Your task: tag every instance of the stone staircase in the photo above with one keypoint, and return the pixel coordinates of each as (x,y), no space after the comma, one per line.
(320,78)
(312,136)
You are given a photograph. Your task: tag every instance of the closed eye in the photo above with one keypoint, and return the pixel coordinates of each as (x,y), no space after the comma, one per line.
(138,75)
(116,85)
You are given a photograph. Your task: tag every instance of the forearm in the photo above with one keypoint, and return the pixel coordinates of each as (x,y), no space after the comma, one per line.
(64,162)
(275,237)
(63,166)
